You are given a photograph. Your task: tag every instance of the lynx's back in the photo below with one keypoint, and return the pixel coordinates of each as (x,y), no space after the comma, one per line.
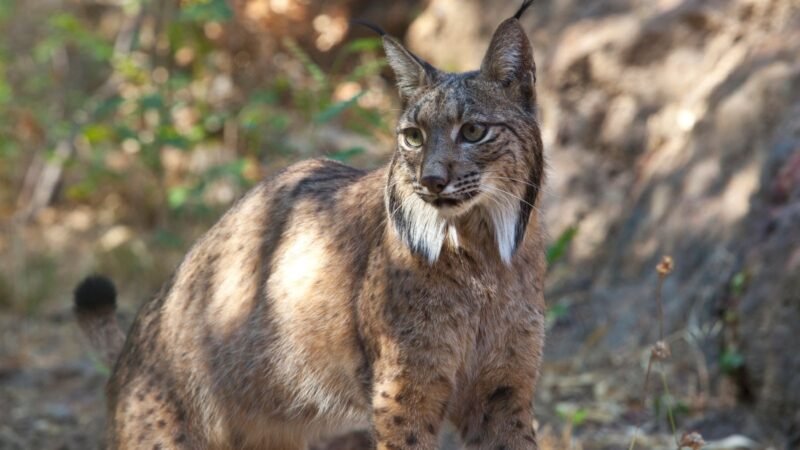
(259,314)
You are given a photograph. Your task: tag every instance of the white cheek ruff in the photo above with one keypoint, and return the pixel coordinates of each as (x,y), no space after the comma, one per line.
(452,236)
(504,219)
(425,230)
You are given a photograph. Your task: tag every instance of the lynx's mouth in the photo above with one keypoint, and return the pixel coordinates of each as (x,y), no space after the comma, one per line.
(447,201)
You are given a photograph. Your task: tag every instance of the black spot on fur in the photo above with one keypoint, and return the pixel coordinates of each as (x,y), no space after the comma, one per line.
(411,439)
(500,394)
(398,420)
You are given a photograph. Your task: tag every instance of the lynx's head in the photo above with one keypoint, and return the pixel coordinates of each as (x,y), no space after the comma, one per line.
(468,145)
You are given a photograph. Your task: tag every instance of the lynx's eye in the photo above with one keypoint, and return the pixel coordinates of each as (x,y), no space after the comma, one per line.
(413,137)
(473,132)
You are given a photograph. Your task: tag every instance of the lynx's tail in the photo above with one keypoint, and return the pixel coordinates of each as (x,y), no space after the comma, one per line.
(95,303)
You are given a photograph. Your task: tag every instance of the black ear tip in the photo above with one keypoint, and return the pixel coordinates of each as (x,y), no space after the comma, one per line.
(95,292)
(369,25)
(525,5)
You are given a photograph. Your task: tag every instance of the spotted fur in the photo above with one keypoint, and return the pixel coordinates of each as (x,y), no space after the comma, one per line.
(331,298)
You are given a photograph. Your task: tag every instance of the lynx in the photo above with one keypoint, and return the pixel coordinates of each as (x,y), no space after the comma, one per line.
(330,298)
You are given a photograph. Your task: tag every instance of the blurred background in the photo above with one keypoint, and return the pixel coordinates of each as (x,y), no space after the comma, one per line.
(672,127)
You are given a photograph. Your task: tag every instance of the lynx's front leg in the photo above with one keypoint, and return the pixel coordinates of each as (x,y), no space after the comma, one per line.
(503,419)
(409,404)
(498,412)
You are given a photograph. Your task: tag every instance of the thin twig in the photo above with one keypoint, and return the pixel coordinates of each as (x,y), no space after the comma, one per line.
(660,307)
(669,406)
(660,350)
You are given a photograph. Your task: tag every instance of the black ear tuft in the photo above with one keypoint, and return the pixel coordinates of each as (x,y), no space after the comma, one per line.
(95,293)
(370,25)
(525,5)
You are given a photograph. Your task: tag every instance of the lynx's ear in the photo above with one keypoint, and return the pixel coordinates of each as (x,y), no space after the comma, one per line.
(411,71)
(509,59)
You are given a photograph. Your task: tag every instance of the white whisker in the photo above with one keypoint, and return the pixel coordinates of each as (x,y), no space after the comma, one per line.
(516,180)
(510,194)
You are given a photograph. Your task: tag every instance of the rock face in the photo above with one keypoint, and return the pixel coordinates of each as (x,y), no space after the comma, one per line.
(672,127)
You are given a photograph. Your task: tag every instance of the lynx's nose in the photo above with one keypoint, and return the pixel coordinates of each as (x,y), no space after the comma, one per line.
(434,183)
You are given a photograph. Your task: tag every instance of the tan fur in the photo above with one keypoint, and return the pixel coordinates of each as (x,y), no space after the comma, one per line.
(309,308)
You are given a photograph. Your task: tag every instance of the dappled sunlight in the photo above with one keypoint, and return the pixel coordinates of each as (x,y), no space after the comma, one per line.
(298,266)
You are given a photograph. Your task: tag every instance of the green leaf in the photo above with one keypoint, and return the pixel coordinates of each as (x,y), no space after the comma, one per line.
(346,154)
(579,417)
(572,413)
(177,196)
(367,69)
(5,91)
(556,251)
(97,132)
(6,9)
(364,45)
(252,116)
(152,101)
(265,96)
(313,69)
(65,22)
(555,312)
(73,30)
(168,135)
(206,11)
(123,132)
(98,364)
(108,106)
(44,50)
(167,238)
(279,123)
(739,283)
(730,360)
(332,111)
